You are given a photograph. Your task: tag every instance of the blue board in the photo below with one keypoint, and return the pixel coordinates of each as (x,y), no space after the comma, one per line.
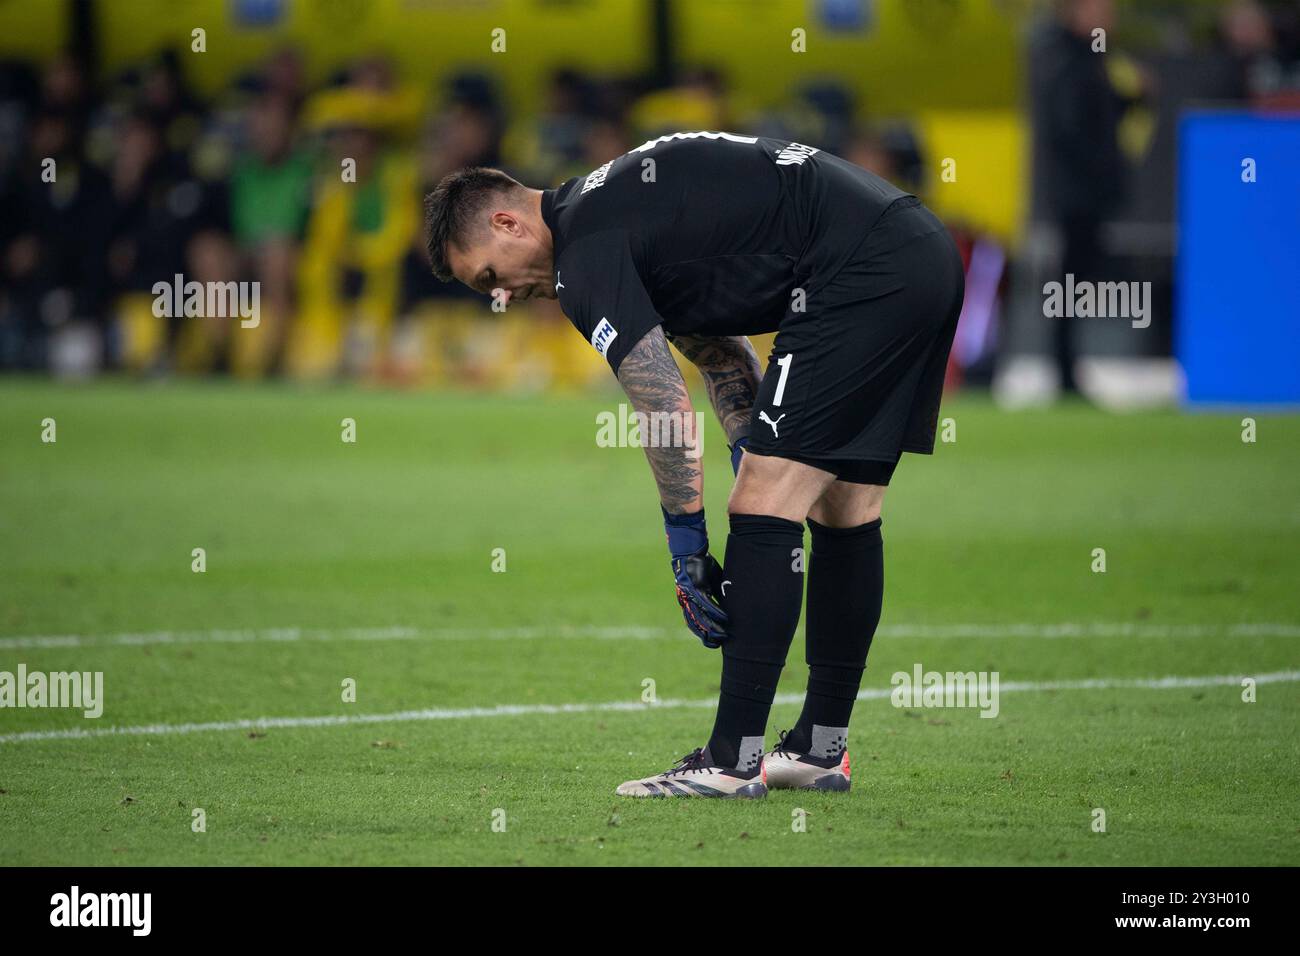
(1237,296)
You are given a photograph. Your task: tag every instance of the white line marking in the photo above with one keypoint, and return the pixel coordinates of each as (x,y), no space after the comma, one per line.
(1088,629)
(526,710)
(1092,629)
(292,634)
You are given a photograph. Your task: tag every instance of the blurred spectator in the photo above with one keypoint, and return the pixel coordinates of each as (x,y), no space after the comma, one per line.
(892,152)
(64,88)
(1248,37)
(285,77)
(549,148)
(18,91)
(55,219)
(604,139)
(868,150)
(146,243)
(165,98)
(358,234)
(467,132)
(1080,169)
(270,194)
(699,101)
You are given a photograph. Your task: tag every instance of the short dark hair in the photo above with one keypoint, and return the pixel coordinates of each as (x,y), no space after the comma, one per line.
(452,212)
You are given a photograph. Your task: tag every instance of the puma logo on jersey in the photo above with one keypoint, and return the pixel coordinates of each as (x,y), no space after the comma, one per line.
(603,336)
(762,417)
(558,284)
(795,154)
(724,588)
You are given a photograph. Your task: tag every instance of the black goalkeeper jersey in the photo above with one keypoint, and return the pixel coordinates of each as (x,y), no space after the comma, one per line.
(704,233)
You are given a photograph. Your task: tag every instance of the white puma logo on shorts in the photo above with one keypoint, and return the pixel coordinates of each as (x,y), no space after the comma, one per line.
(762,417)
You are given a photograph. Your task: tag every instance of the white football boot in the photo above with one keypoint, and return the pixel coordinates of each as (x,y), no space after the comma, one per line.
(783,769)
(697,776)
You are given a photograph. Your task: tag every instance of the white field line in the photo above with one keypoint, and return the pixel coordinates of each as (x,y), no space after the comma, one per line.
(528,710)
(1085,629)
(283,635)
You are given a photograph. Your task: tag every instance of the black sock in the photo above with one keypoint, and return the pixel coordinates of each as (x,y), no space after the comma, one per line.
(764,592)
(846,582)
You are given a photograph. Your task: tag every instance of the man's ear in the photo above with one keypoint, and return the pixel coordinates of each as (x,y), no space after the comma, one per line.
(507,222)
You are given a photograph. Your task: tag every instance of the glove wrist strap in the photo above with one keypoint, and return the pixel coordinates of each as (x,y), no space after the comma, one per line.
(687,533)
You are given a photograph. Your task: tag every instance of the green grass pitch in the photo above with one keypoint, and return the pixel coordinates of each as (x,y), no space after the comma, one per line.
(373,561)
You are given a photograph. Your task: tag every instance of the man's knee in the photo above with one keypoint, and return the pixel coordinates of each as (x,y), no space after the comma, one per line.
(774,486)
(846,504)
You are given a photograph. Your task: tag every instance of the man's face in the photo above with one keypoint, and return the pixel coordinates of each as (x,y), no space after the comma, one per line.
(510,256)
(1087,15)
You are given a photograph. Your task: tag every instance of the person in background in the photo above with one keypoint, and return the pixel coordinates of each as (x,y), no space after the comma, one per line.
(1080,169)
(52,236)
(270,193)
(357,236)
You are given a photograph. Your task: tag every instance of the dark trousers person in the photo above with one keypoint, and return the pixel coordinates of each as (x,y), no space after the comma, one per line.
(1081,256)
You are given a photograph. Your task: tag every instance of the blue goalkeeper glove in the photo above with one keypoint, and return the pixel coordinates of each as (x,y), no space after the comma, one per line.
(737,452)
(699,578)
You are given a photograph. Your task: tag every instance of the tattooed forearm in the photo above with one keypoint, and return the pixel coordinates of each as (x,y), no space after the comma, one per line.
(654,386)
(731,375)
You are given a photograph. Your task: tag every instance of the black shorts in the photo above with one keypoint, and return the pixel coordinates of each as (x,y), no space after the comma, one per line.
(855,377)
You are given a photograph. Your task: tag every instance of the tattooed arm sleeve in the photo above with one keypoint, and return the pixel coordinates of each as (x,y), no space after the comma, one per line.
(654,386)
(731,375)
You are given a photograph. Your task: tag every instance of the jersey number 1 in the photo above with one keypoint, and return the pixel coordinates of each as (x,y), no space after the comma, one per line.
(780,382)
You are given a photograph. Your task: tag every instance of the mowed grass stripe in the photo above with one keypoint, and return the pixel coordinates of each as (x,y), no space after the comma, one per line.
(525,710)
(281,635)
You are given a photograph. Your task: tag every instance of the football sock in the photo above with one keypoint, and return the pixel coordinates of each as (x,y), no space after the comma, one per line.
(846,582)
(763,595)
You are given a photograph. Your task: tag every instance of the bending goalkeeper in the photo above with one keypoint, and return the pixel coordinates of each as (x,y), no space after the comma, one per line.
(731,236)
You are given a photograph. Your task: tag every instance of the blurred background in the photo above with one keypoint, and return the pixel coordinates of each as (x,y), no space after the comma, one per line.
(217,155)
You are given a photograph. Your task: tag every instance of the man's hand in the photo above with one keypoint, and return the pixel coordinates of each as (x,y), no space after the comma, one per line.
(699,578)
